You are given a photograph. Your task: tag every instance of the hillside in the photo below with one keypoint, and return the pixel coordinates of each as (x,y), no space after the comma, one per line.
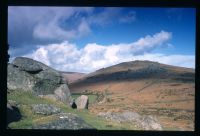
(134,71)
(145,87)
(72,76)
(38,98)
(138,95)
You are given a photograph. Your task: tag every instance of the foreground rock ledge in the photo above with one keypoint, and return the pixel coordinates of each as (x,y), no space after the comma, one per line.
(65,121)
(45,109)
(143,122)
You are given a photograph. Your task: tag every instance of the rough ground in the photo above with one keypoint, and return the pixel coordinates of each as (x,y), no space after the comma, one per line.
(64,121)
(144,87)
(134,96)
(141,122)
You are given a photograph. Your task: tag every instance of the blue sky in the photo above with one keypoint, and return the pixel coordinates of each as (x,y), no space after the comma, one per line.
(84,39)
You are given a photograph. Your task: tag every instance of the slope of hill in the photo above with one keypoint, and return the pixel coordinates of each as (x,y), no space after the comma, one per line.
(72,76)
(32,102)
(138,95)
(134,71)
(144,87)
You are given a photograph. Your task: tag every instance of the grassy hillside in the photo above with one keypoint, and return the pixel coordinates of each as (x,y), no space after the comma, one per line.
(26,99)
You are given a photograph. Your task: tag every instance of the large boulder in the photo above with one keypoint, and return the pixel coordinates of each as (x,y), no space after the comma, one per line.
(25,74)
(82,102)
(19,80)
(26,65)
(62,93)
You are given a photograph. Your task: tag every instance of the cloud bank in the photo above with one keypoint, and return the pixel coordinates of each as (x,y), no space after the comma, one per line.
(41,24)
(66,56)
(30,26)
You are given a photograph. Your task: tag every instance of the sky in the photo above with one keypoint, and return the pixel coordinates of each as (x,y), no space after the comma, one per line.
(85,39)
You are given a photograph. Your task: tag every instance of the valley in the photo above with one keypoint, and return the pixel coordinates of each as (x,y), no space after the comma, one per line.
(137,95)
(160,94)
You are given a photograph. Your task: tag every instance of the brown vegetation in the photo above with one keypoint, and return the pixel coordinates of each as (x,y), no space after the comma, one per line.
(169,95)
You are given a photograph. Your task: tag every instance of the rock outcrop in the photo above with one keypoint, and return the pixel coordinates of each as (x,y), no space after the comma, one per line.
(82,102)
(26,74)
(45,109)
(141,122)
(65,121)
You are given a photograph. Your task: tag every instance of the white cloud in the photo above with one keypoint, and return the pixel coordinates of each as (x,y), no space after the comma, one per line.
(45,23)
(41,54)
(104,17)
(107,15)
(36,24)
(52,31)
(83,28)
(149,43)
(49,27)
(176,60)
(66,56)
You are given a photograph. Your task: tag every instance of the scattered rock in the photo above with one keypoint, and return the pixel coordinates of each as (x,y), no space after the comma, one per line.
(144,122)
(82,102)
(45,109)
(26,74)
(65,121)
(150,123)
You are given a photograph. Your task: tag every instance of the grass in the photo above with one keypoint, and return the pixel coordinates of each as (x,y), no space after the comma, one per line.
(44,119)
(26,99)
(23,124)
